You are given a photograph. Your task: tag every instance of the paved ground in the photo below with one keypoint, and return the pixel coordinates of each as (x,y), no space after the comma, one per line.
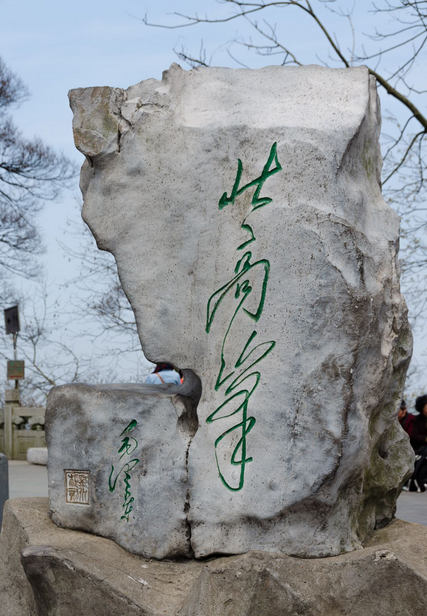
(31,480)
(26,479)
(412,507)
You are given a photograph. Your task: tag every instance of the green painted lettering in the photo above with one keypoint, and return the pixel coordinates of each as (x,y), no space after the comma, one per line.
(240,388)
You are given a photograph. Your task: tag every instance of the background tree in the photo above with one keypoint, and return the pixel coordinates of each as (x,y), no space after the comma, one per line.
(48,337)
(30,174)
(392,51)
(101,306)
(49,361)
(389,37)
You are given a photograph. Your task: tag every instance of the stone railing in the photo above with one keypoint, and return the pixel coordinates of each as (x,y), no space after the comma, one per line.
(21,428)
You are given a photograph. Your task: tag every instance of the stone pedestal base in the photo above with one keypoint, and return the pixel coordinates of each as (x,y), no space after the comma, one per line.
(57,572)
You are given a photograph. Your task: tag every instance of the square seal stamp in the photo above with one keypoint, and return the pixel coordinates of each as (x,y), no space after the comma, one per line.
(77,487)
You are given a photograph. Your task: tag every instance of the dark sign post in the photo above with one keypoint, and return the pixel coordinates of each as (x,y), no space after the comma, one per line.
(11,322)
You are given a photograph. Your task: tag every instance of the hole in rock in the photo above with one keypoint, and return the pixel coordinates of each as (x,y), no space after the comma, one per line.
(185,383)
(165,373)
(383,450)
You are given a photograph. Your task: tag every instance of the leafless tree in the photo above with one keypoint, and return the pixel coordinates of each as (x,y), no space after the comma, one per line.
(396,47)
(102,304)
(98,283)
(30,174)
(93,340)
(88,343)
(49,361)
(394,50)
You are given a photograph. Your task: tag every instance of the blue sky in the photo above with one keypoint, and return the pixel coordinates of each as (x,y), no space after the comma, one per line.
(55,46)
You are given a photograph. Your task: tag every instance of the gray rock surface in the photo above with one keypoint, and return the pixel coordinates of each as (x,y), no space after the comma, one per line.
(244,211)
(37,455)
(118,462)
(58,572)
(4,483)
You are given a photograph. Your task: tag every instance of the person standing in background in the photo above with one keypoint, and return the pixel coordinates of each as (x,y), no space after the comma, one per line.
(405,418)
(418,429)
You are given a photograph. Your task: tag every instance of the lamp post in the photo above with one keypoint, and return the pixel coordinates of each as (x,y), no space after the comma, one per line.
(12,325)
(15,371)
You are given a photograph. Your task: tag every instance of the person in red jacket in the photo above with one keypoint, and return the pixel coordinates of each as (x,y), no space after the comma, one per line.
(405,418)
(418,429)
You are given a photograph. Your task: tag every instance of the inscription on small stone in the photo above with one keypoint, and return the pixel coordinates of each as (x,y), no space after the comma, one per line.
(77,487)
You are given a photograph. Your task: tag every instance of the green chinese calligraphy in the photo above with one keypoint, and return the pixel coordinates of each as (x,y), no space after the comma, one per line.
(239,388)
(128,446)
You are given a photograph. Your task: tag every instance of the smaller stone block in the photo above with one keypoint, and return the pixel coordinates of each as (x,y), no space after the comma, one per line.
(37,455)
(118,462)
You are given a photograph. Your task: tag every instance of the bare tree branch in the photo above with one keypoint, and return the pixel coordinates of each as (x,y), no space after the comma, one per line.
(400,44)
(30,174)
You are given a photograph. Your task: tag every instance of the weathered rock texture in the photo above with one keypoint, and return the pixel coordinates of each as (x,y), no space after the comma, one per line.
(118,462)
(244,211)
(50,571)
(4,483)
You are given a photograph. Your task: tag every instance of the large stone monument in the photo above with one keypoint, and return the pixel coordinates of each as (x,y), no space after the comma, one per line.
(245,214)
(244,211)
